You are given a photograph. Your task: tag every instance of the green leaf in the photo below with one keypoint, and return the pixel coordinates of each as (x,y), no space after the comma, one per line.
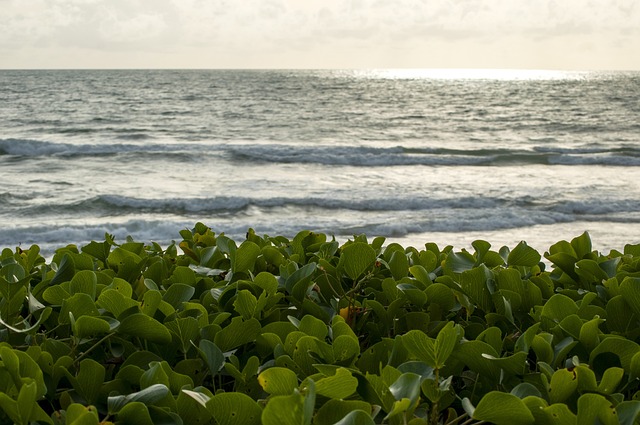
(244,258)
(119,257)
(525,389)
(559,414)
(147,396)
(284,410)
(142,326)
(135,412)
(212,355)
(99,250)
(313,327)
(474,284)
(25,409)
(79,304)
(121,286)
(628,411)
(421,274)
(114,302)
(473,354)
(558,307)
(590,333)
(55,294)
(433,352)
(339,386)
(610,380)
(278,381)
(22,368)
(398,407)
(334,411)
(88,326)
(89,380)
(446,341)
(356,258)
(154,375)
(523,255)
(309,402)
(150,302)
(345,345)
(234,409)
(26,401)
(582,245)
(459,262)
(300,277)
(406,386)
(563,384)
(186,329)
(356,417)
(515,364)
(190,410)
(10,408)
(630,290)
(399,265)
(266,281)
(85,282)
(77,414)
(245,304)
(594,408)
(421,346)
(177,294)
(503,408)
(65,271)
(442,295)
(237,333)
(623,348)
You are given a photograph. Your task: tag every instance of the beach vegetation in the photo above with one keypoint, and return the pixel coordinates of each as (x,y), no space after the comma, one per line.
(309,330)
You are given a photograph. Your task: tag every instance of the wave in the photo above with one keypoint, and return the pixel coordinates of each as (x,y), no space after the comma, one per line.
(404,156)
(35,148)
(110,204)
(334,155)
(524,209)
(163,229)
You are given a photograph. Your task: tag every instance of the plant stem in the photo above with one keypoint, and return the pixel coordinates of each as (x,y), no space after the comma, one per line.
(93,347)
(459,418)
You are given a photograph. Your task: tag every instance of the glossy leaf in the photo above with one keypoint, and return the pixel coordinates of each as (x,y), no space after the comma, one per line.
(339,386)
(511,411)
(142,326)
(147,396)
(523,255)
(334,411)
(237,333)
(278,381)
(594,408)
(234,409)
(284,410)
(356,258)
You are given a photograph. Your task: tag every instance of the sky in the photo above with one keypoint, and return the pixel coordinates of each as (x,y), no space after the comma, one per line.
(511,34)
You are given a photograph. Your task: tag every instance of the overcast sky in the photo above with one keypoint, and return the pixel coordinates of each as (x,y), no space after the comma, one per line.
(535,34)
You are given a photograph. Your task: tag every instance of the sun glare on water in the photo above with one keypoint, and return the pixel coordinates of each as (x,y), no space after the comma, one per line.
(469,74)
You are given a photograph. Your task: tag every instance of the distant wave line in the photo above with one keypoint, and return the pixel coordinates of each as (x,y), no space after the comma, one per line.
(338,155)
(118,205)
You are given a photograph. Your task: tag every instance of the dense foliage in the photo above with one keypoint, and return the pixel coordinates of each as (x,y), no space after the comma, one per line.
(308,331)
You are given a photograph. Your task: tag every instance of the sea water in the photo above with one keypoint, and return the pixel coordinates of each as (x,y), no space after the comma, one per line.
(417,156)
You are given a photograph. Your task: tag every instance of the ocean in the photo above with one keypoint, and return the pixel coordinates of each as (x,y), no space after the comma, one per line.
(444,156)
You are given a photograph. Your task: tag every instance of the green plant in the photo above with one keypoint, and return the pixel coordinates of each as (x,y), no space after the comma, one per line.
(306,330)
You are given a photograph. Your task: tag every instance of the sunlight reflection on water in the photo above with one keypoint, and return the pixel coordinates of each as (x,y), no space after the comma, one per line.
(471,74)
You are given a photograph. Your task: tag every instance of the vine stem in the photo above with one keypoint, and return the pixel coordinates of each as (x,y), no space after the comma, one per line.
(470,421)
(458,419)
(93,347)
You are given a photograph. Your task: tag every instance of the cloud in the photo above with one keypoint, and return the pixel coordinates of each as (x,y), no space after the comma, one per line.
(286,29)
